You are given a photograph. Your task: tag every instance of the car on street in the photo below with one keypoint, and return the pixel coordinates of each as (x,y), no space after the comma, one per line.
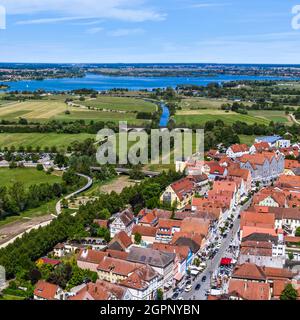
(188,288)
(203,278)
(198,286)
(175,295)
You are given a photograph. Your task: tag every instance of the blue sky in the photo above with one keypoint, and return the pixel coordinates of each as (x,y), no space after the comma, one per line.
(221,31)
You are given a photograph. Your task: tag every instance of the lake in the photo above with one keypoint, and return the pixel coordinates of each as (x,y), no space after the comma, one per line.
(100,82)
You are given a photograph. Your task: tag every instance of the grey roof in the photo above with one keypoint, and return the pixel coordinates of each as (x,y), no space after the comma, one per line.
(261,237)
(127,217)
(183,241)
(296,171)
(152,257)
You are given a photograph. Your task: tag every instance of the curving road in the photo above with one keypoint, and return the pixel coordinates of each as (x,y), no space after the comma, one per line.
(57,208)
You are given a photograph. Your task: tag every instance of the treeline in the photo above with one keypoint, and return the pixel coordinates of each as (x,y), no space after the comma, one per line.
(16,198)
(21,255)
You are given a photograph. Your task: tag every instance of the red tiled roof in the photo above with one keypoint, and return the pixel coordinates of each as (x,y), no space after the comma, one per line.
(144,230)
(45,290)
(91,256)
(236,148)
(182,187)
(248,290)
(123,239)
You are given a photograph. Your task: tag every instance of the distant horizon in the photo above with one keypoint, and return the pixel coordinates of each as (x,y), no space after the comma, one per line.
(156,63)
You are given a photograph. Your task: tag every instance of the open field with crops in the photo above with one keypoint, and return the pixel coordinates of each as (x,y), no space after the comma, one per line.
(203,116)
(118,104)
(276,116)
(55,109)
(202,103)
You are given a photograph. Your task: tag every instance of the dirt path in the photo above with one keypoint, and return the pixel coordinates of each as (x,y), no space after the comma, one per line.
(14,229)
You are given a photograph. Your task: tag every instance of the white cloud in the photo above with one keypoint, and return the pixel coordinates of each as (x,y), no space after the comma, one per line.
(209,4)
(94,30)
(125,32)
(133,10)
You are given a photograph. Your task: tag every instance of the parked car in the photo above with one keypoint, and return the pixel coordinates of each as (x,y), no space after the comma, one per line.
(175,295)
(188,288)
(198,286)
(203,278)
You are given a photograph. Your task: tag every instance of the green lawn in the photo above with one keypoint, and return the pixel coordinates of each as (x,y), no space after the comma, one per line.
(231,118)
(78,114)
(41,139)
(249,140)
(28,176)
(276,116)
(202,103)
(119,103)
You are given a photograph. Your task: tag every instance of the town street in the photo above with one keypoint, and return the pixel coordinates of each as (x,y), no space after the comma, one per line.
(213,264)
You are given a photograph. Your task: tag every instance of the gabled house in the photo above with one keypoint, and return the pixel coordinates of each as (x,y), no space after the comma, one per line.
(237,150)
(123,222)
(161,262)
(101,290)
(120,242)
(179,193)
(47,291)
(143,283)
(89,259)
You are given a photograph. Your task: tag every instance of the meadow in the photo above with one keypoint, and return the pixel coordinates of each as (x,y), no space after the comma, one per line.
(202,116)
(271,115)
(41,139)
(119,104)
(28,176)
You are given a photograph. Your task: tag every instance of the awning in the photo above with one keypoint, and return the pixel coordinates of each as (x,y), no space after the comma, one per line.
(225,261)
(178,276)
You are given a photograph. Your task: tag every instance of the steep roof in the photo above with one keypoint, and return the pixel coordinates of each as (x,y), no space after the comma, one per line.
(266,220)
(126,217)
(236,148)
(248,290)
(144,230)
(182,187)
(122,239)
(45,290)
(152,257)
(91,256)
(140,278)
(117,266)
(101,290)
(250,271)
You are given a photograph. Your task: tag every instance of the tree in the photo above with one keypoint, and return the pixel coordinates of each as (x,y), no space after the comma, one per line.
(291,256)
(39,167)
(137,238)
(298,232)
(289,293)
(160,294)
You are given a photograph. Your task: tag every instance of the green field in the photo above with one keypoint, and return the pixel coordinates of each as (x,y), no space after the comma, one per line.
(41,139)
(276,116)
(228,118)
(119,104)
(28,176)
(201,103)
(249,140)
(54,108)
